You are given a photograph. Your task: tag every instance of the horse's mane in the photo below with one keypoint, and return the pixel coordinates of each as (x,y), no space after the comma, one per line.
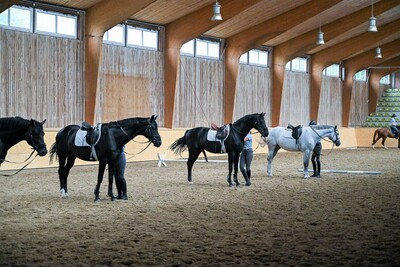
(321,127)
(246,118)
(13,122)
(128,121)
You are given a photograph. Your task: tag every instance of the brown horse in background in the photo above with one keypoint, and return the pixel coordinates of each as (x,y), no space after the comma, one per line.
(383,133)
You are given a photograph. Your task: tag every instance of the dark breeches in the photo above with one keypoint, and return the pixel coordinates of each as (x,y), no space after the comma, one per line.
(315,159)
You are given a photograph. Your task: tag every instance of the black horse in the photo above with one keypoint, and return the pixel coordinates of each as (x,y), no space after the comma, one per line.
(108,149)
(196,141)
(15,129)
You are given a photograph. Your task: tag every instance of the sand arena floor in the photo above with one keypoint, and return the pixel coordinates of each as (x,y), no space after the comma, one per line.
(284,220)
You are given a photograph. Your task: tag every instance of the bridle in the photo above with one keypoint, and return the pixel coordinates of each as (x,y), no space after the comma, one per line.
(34,146)
(335,131)
(149,142)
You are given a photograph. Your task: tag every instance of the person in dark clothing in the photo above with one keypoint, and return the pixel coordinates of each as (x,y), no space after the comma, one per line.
(315,157)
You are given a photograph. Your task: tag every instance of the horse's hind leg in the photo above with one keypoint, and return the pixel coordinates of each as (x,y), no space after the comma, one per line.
(383,142)
(191,160)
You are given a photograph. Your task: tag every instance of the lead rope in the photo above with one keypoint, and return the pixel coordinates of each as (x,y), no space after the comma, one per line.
(8,175)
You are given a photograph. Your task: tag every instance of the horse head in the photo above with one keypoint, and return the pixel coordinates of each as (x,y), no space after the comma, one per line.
(151,132)
(260,125)
(35,136)
(335,138)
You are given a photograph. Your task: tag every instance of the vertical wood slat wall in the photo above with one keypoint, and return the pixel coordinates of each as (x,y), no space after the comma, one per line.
(41,77)
(253,92)
(330,101)
(359,104)
(295,106)
(200,94)
(131,84)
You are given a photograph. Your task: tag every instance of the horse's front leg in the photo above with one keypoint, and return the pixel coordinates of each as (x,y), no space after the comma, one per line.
(235,166)
(102,167)
(272,151)
(63,173)
(111,174)
(230,168)
(306,161)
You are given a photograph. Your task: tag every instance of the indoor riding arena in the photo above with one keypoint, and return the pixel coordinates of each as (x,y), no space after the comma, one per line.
(144,75)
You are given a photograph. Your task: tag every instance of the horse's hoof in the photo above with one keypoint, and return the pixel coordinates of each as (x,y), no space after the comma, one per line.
(190,182)
(248,184)
(97,199)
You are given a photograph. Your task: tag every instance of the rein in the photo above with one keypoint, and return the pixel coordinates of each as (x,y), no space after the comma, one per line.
(329,141)
(7,175)
(130,138)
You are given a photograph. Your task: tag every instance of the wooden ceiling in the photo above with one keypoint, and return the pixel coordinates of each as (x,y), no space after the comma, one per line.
(260,12)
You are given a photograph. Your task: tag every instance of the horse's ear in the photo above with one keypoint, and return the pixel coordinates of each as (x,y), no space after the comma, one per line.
(153,118)
(262,114)
(43,122)
(32,122)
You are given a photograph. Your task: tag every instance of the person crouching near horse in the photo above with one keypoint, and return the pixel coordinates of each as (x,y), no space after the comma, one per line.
(393,126)
(246,156)
(316,155)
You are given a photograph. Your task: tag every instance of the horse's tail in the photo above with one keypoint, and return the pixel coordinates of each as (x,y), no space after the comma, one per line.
(179,145)
(374,139)
(53,152)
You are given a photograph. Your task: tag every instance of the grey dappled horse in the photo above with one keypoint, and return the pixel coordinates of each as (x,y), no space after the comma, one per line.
(281,137)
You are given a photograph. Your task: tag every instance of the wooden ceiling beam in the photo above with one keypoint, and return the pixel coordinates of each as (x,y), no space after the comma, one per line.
(256,36)
(183,30)
(337,53)
(98,20)
(5,4)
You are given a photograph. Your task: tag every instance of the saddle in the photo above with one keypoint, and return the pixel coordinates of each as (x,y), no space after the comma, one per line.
(296,131)
(93,133)
(222,132)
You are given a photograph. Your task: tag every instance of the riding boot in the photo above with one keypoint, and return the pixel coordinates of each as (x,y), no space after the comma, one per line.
(123,194)
(249,176)
(318,169)
(245,176)
(314,165)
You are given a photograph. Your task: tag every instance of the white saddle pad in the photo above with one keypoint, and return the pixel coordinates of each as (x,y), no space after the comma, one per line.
(80,137)
(211,135)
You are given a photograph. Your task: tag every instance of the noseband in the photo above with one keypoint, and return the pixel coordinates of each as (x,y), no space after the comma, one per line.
(32,139)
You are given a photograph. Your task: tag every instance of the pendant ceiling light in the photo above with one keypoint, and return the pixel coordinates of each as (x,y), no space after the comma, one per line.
(320,36)
(216,11)
(378,53)
(372,20)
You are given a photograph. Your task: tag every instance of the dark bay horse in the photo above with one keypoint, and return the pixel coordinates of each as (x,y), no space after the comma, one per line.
(114,136)
(16,129)
(383,133)
(196,141)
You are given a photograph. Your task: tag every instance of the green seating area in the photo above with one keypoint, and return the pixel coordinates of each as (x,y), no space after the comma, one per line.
(388,104)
